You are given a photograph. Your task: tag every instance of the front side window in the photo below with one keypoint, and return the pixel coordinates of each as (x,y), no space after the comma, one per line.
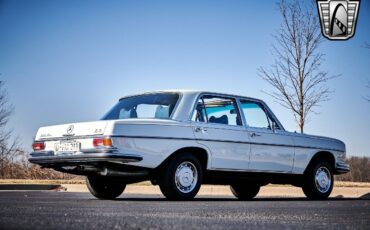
(158,106)
(219,110)
(255,114)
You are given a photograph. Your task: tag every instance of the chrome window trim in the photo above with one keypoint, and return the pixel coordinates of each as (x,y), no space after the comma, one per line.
(266,108)
(216,95)
(245,124)
(270,113)
(271,116)
(261,107)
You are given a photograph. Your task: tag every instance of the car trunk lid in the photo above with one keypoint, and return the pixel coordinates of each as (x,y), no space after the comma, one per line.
(72,130)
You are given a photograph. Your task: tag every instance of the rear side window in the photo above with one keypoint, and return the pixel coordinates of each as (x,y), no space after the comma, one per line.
(218,110)
(255,114)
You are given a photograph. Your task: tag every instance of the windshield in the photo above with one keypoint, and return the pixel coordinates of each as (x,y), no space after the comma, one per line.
(158,106)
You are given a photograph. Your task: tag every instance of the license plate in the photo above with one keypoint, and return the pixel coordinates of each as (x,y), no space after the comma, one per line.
(67,146)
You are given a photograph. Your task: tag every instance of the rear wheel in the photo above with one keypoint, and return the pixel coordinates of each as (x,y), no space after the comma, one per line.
(181,178)
(245,192)
(319,180)
(105,187)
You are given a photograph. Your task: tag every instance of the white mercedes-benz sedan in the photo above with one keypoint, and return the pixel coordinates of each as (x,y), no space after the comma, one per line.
(181,139)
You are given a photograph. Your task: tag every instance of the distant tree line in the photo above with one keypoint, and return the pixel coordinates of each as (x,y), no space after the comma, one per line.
(20,168)
(360,170)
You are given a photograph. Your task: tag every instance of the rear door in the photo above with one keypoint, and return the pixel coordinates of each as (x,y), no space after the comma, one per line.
(218,126)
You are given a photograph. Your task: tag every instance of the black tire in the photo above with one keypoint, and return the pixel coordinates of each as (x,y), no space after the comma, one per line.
(245,192)
(171,185)
(319,170)
(105,187)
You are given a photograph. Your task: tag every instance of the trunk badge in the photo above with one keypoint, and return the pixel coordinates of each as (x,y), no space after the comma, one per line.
(70,129)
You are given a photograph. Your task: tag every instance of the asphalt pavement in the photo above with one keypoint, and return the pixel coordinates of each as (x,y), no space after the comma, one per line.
(67,210)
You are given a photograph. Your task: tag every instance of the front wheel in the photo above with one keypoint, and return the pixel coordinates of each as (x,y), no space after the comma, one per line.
(245,192)
(181,178)
(319,180)
(105,187)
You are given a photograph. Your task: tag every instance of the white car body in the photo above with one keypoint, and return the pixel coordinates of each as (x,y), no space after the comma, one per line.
(145,144)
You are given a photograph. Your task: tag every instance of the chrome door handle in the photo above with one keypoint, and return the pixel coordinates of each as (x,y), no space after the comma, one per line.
(254,135)
(199,129)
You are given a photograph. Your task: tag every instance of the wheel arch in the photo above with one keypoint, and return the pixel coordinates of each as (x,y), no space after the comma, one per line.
(200,153)
(324,155)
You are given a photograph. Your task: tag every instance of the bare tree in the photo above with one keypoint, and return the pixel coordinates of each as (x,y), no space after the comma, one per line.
(13,160)
(9,149)
(6,109)
(367,45)
(297,80)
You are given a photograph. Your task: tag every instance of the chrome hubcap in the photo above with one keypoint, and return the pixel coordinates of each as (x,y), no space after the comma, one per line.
(186,177)
(323,179)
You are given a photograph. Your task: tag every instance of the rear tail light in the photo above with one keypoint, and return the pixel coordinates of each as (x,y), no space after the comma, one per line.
(102,142)
(38,145)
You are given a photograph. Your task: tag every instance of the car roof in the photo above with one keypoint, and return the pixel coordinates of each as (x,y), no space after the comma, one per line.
(194,92)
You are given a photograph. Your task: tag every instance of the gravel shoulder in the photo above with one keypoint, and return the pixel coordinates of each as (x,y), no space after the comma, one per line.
(216,190)
(341,189)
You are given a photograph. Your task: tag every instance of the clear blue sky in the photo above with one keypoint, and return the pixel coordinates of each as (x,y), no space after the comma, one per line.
(67,61)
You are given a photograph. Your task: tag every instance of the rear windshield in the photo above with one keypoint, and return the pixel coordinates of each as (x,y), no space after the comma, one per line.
(158,106)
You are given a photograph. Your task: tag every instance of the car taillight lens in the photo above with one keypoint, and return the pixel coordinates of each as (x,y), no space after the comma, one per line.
(38,145)
(102,142)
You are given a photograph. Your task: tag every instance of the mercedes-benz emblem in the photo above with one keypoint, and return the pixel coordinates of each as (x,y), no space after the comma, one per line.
(70,129)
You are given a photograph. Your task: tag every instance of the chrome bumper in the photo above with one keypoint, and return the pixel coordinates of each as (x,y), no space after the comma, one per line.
(341,168)
(47,158)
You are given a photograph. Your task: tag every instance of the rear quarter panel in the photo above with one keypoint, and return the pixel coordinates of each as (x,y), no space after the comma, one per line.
(154,141)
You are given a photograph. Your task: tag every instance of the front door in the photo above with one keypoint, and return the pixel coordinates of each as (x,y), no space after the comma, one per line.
(272,150)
